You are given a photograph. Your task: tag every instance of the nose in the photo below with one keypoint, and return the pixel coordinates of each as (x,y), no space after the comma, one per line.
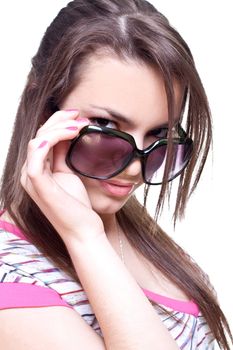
(134,169)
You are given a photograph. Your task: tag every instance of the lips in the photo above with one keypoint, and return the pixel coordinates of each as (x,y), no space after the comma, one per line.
(117,188)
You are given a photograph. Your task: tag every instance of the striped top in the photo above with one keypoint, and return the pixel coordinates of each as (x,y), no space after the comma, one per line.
(29,279)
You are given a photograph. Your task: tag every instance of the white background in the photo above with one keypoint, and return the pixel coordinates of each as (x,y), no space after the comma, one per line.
(206,232)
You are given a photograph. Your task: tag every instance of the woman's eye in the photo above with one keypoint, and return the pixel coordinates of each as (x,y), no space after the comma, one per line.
(159,133)
(103,122)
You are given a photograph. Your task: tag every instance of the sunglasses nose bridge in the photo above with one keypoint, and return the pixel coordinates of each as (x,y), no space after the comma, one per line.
(140,154)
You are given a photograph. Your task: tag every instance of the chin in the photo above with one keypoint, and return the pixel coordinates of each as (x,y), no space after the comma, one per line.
(103,203)
(109,208)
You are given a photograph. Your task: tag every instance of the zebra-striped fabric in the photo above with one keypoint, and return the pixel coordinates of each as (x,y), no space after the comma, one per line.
(28,279)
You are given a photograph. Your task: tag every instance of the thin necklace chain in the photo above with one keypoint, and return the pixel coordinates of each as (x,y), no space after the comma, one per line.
(153,273)
(122,249)
(120,244)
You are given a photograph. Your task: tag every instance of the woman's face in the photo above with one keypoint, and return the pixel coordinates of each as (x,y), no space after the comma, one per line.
(135,93)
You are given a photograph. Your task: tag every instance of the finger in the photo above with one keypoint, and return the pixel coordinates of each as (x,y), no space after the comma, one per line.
(60,116)
(67,124)
(39,182)
(59,155)
(26,183)
(54,136)
(37,172)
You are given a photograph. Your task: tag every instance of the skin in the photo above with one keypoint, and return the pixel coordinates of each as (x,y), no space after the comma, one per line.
(88,222)
(143,102)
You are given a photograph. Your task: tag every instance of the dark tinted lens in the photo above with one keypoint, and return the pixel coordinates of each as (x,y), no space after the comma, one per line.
(100,155)
(156,161)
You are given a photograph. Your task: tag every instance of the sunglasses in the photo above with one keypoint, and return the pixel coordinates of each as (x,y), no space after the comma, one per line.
(101,153)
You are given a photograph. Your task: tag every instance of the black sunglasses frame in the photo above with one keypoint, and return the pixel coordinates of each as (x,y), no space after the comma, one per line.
(180,137)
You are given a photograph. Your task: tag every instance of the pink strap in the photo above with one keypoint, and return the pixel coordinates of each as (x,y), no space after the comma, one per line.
(11,228)
(21,295)
(188,307)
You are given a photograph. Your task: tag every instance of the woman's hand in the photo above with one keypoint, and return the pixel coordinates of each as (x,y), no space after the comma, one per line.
(58,192)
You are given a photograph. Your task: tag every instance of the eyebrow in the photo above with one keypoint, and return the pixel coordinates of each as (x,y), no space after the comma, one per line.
(114,114)
(117,115)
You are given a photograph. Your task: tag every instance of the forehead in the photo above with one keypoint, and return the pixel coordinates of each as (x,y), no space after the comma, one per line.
(135,90)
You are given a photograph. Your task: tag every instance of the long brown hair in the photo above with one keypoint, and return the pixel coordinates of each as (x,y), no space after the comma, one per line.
(128,29)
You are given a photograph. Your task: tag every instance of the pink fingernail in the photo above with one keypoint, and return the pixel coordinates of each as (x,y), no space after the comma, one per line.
(72,128)
(79,122)
(44,143)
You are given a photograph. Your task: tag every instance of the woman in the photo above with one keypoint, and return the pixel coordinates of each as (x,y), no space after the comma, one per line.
(82,263)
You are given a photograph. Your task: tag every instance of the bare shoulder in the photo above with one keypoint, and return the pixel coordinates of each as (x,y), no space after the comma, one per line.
(45,328)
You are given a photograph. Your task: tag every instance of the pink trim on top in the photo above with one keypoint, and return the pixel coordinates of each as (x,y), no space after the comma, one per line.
(188,307)
(21,295)
(7,226)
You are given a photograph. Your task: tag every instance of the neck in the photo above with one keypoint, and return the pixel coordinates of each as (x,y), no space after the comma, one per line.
(110,223)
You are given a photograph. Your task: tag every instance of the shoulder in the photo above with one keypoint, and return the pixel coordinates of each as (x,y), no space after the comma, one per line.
(29,279)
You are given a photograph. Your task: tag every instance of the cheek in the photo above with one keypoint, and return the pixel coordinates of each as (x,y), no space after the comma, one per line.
(100,202)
